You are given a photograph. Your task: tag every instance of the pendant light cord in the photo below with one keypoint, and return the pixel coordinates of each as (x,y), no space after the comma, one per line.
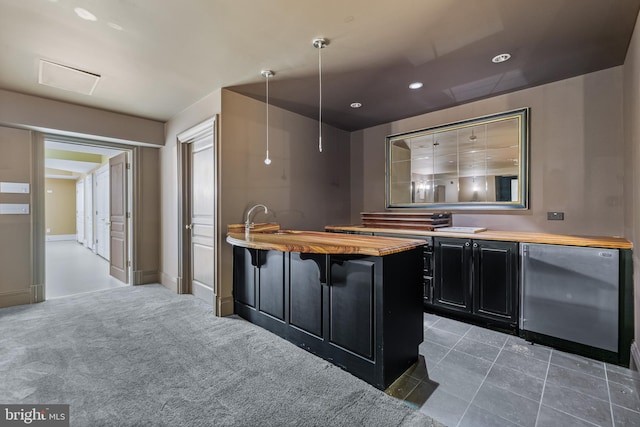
(320,102)
(267,117)
(267,74)
(320,44)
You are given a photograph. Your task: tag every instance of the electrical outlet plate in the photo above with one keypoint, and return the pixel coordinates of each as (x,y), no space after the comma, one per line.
(555,216)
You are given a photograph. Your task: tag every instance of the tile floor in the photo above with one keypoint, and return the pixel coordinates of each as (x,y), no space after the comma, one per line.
(72,269)
(475,377)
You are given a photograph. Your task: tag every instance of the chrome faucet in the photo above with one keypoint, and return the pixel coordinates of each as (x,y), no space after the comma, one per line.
(248,225)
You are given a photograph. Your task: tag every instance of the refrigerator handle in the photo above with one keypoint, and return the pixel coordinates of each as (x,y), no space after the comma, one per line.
(524,255)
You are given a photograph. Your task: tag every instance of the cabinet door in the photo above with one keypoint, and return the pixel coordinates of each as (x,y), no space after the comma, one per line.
(307,273)
(351,305)
(259,280)
(271,283)
(495,284)
(452,273)
(245,275)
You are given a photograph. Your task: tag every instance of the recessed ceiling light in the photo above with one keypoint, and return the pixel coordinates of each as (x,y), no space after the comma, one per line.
(356,105)
(415,85)
(501,58)
(85,14)
(115,26)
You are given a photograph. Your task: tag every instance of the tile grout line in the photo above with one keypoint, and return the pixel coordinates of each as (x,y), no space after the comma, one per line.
(544,386)
(581,371)
(452,347)
(480,386)
(572,416)
(606,378)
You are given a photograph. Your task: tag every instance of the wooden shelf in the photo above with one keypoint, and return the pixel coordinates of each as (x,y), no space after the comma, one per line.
(406,220)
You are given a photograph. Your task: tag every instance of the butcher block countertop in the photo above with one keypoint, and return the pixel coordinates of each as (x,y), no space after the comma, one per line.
(509,236)
(270,237)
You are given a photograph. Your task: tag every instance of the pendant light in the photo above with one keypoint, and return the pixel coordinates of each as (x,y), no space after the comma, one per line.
(320,44)
(267,74)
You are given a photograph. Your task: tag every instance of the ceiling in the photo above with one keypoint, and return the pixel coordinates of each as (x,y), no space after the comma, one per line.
(61,156)
(157,57)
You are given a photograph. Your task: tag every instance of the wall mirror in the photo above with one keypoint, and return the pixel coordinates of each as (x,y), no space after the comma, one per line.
(479,163)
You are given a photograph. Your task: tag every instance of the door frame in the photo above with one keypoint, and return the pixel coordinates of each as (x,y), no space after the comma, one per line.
(184,139)
(38,192)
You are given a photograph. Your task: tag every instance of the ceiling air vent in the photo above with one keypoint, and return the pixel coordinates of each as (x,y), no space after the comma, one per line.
(67,78)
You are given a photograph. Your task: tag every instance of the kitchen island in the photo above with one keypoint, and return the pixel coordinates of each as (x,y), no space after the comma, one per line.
(355,301)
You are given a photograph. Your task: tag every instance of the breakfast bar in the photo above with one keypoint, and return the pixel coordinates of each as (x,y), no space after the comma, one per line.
(355,301)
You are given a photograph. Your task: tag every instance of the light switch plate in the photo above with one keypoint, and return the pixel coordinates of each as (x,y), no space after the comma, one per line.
(555,216)
(14,209)
(14,187)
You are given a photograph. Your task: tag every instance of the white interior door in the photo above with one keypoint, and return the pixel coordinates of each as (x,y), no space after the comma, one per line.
(202,211)
(102,212)
(88,212)
(118,210)
(80,211)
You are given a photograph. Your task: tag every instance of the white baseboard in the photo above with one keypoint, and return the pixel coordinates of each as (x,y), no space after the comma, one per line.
(203,292)
(143,277)
(60,237)
(635,356)
(169,282)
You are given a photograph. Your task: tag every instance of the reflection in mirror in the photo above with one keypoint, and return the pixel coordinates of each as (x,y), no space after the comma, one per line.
(479,163)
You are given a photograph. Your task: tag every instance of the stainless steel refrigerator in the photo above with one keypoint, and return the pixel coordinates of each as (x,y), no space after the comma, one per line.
(571,293)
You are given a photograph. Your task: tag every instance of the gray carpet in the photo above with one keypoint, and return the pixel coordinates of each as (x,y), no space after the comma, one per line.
(145,356)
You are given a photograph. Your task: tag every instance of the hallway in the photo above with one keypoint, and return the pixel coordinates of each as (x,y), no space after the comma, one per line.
(74,269)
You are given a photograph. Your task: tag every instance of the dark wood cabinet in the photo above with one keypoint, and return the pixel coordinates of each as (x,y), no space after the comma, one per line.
(264,286)
(495,281)
(306,293)
(351,305)
(427,263)
(362,313)
(478,278)
(452,273)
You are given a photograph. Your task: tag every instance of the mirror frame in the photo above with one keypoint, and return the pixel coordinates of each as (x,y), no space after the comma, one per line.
(522,115)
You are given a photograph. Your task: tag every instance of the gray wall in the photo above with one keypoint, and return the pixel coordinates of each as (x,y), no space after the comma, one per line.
(577,156)
(305,189)
(632,160)
(61,118)
(146,251)
(16,279)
